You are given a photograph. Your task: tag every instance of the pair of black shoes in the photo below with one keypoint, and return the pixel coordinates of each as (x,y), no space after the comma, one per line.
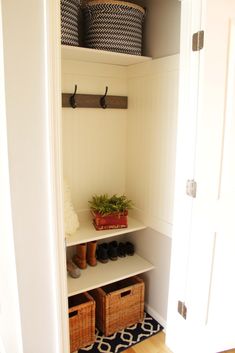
(126,249)
(113,250)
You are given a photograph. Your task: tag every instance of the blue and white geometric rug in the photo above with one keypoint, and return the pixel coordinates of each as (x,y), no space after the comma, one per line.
(124,339)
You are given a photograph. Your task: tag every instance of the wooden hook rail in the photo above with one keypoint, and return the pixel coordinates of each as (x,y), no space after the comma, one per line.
(93,101)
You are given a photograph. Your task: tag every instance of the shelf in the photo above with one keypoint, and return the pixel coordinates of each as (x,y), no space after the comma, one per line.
(102,274)
(101,56)
(87,232)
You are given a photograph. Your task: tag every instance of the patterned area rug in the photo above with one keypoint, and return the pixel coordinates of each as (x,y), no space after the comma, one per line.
(124,339)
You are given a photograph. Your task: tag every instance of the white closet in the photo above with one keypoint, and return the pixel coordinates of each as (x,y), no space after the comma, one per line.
(130,151)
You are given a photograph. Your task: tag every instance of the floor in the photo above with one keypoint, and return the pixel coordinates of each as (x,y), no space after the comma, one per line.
(155,344)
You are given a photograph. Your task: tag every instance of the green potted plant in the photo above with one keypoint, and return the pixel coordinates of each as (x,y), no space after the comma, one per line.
(110,212)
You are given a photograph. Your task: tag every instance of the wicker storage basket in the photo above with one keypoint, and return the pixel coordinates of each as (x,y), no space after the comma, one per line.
(114,26)
(70,14)
(119,304)
(81,321)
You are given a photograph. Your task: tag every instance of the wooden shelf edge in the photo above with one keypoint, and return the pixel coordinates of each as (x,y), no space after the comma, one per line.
(100,56)
(87,232)
(103,274)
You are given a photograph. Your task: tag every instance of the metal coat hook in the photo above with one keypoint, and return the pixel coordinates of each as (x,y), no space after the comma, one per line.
(72,99)
(103,99)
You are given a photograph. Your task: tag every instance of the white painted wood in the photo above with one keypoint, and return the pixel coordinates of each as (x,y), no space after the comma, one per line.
(156,316)
(113,76)
(53,88)
(100,56)
(102,274)
(94,153)
(10,320)
(87,232)
(73,147)
(215,168)
(177,334)
(29,132)
(210,287)
(156,248)
(94,140)
(155,81)
(151,130)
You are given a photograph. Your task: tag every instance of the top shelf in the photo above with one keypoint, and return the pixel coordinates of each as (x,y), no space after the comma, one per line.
(101,56)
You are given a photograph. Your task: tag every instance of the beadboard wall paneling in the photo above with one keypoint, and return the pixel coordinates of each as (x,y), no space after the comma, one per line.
(93,78)
(151,131)
(155,247)
(94,140)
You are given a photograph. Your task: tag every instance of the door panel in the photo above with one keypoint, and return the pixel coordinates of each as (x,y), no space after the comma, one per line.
(212,265)
(221,306)
(210,290)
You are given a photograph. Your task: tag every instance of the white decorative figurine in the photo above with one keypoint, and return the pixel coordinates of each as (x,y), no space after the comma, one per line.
(71,222)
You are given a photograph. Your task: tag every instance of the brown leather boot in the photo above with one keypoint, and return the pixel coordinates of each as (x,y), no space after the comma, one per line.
(80,258)
(91,253)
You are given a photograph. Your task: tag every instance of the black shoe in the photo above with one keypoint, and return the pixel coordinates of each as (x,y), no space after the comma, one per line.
(102,253)
(121,250)
(113,250)
(130,249)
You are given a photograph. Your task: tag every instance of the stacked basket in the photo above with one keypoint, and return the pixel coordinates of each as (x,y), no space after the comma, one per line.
(70,14)
(109,25)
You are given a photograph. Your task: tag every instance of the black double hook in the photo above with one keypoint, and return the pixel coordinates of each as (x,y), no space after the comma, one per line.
(103,102)
(72,99)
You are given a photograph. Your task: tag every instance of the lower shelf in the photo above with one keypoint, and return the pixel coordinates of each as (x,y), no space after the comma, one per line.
(102,274)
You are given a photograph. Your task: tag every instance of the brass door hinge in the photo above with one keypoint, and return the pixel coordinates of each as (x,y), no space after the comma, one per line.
(198,41)
(182,309)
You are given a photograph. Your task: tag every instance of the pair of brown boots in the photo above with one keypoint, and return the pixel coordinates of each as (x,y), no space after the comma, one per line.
(86,253)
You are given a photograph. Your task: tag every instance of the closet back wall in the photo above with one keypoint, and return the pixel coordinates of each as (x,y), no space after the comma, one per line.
(131,151)
(94,140)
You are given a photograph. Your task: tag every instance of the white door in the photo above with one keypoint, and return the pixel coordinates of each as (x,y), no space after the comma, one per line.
(213,244)
(210,288)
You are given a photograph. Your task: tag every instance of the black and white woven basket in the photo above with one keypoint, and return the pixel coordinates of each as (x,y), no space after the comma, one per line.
(70,14)
(114,26)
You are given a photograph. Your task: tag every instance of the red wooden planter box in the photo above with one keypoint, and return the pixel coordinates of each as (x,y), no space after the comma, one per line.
(111,221)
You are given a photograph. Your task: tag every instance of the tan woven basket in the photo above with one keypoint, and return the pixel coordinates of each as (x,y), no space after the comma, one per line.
(81,321)
(119,304)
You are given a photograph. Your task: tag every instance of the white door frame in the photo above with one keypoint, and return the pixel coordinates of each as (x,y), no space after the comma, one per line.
(190,23)
(55,114)
(10,320)
(12,337)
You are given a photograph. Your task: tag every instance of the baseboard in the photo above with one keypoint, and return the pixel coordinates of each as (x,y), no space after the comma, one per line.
(156,316)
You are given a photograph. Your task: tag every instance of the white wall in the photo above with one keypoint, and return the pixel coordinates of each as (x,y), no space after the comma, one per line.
(28,141)
(151,144)
(162,31)
(156,248)
(94,140)
(161,27)
(10,323)
(151,131)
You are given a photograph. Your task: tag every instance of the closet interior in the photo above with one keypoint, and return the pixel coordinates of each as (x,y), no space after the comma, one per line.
(128,151)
